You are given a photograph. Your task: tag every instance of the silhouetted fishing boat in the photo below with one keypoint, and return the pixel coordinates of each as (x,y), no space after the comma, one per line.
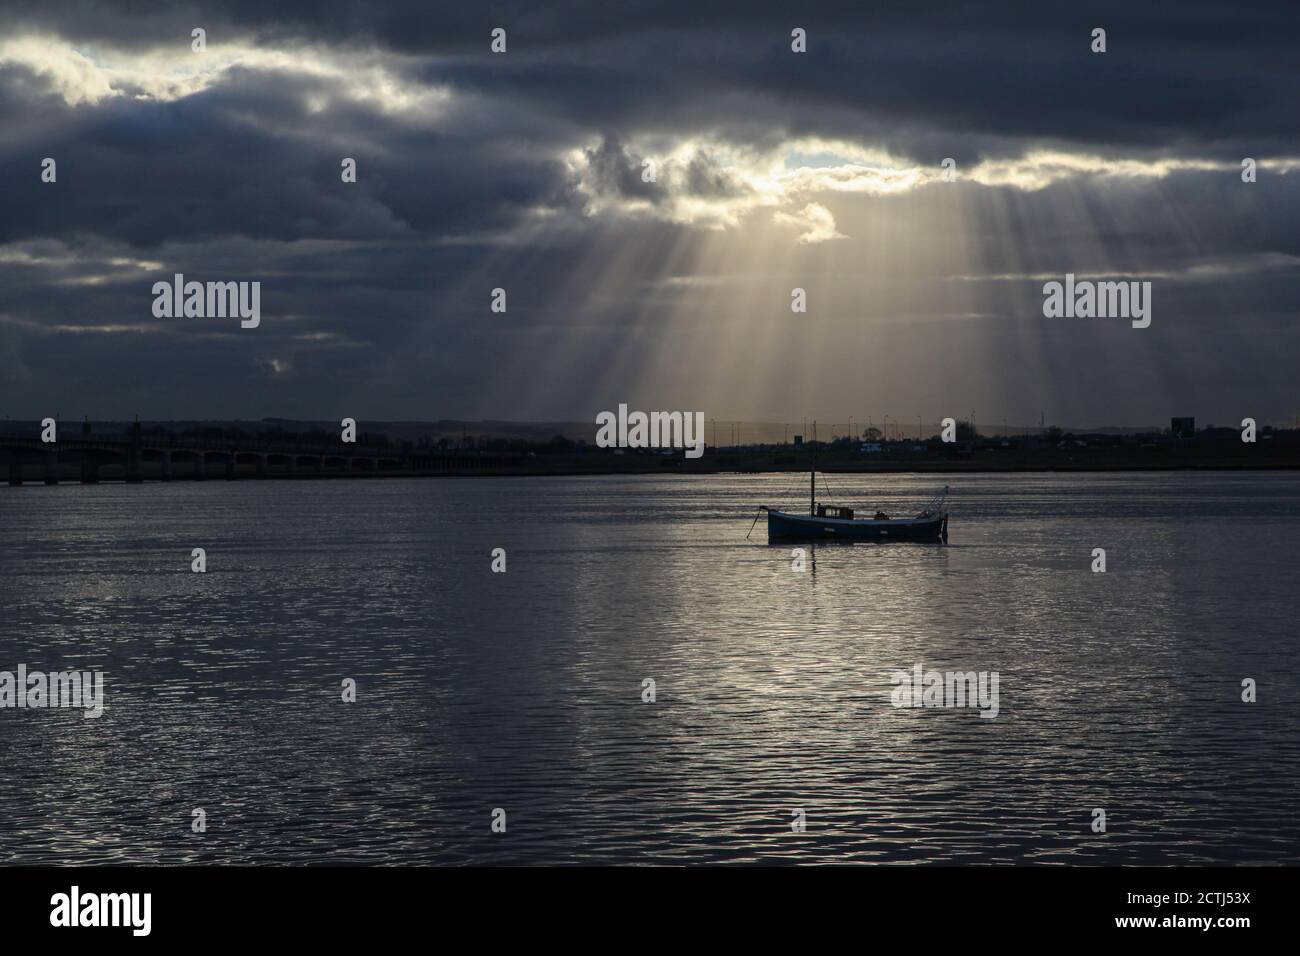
(835,522)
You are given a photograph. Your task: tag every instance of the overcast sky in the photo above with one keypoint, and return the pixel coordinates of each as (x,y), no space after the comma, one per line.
(773,170)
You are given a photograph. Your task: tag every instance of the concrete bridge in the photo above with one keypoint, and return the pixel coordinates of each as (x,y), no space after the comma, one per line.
(136,457)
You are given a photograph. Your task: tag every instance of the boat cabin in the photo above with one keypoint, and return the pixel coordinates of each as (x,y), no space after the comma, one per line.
(833,511)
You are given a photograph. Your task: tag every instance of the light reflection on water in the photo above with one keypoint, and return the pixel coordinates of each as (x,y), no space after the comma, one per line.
(523,690)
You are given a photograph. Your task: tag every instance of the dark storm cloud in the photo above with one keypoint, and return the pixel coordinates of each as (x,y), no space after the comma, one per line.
(967,81)
(616,171)
(1202,74)
(248,158)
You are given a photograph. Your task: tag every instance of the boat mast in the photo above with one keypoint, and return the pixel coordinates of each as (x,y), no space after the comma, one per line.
(812,495)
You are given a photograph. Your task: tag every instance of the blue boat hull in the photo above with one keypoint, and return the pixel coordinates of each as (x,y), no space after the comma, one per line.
(789,527)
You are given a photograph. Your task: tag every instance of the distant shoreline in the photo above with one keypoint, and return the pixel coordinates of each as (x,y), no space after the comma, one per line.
(144,454)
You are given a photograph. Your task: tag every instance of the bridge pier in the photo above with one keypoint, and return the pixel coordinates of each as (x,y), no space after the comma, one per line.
(133,473)
(89,467)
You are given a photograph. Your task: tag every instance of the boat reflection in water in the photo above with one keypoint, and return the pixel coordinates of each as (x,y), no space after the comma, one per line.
(837,523)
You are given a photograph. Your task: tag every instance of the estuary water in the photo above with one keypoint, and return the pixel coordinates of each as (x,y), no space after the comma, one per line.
(523,691)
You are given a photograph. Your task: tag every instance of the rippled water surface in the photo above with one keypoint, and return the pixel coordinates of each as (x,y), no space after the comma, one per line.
(523,690)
